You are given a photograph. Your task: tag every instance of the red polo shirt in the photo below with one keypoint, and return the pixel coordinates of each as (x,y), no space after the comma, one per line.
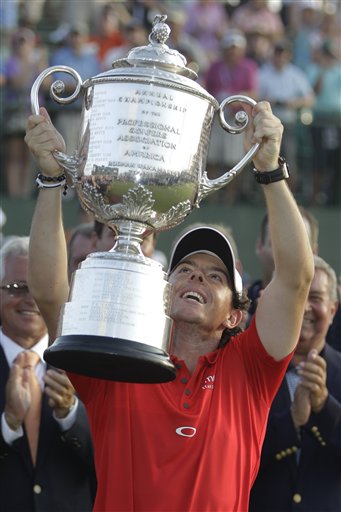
(192,444)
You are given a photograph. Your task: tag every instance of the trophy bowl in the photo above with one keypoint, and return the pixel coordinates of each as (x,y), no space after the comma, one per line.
(139,167)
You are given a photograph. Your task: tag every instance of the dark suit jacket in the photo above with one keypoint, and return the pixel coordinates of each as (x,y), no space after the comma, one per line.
(64,477)
(334,331)
(314,483)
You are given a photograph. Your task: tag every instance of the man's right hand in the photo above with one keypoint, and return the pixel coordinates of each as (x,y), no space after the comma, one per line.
(43,139)
(18,394)
(301,406)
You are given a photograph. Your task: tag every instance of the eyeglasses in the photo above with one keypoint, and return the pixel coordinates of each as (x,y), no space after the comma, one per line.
(16,289)
(279,49)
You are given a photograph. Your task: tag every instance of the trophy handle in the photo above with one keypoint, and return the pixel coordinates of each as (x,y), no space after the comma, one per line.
(206,185)
(69,163)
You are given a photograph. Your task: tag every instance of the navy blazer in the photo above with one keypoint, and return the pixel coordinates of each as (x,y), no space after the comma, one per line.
(64,476)
(302,473)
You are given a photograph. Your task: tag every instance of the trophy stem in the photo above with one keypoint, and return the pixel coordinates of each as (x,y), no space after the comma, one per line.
(128,245)
(129,238)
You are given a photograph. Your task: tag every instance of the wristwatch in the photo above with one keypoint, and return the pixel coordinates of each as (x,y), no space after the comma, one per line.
(281,173)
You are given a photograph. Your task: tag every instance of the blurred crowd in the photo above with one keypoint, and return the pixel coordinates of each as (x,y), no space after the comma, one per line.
(285,51)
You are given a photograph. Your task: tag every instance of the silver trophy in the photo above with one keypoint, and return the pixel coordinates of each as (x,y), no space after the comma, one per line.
(139,167)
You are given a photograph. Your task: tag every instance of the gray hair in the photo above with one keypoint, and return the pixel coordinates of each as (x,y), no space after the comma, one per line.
(321,264)
(17,246)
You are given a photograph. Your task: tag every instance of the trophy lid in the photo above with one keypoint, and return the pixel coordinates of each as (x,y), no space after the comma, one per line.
(157,54)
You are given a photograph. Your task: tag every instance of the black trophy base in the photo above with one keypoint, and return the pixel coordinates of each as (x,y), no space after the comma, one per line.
(108,358)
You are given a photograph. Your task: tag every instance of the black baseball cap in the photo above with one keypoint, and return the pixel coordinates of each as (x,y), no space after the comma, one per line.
(210,241)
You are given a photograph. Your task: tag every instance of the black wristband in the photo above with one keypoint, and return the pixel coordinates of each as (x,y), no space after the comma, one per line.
(51,179)
(281,173)
(43,181)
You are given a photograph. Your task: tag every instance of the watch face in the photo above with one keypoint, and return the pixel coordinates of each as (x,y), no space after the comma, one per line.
(285,170)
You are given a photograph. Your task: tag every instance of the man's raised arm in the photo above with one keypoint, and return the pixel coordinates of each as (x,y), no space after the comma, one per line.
(47,273)
(280,308)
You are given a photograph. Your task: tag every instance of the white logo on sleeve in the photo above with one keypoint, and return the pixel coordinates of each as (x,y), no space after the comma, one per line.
(209,382)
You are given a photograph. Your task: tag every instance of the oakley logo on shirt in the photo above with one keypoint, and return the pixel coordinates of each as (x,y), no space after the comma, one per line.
(186,431)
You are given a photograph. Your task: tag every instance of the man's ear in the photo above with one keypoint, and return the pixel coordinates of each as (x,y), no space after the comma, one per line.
(233,319)
(94,239)
(333,310)
(258,246)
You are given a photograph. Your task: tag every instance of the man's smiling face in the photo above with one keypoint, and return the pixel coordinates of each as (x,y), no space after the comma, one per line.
(318,314)
(201,291)
(20,316)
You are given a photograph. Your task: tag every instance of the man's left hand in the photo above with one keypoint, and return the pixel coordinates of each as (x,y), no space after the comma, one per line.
(266,129)
(60,391)
(314,377)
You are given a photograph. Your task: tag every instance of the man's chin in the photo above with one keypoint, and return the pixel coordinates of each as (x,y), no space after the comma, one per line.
(307,343)
(306,335)
(302,344)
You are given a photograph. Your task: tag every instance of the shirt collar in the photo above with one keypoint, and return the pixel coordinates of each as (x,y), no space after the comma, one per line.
(210,357)
(12,349)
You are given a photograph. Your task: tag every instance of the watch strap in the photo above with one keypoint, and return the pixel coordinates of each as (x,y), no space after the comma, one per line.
(281,173)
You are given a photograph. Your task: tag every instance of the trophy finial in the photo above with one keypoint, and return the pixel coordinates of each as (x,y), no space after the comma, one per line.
(160,31)
(157,54)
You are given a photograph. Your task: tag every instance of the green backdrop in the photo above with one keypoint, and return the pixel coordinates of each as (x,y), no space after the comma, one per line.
(243,219)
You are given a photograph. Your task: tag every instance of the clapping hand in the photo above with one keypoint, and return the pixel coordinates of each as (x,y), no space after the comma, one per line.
(18,393)
(313,374)
(300,407)
(60,392)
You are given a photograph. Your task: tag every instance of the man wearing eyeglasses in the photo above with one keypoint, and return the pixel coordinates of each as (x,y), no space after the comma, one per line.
(45,445)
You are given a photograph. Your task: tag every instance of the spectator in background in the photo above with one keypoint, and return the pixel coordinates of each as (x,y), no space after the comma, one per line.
(103,236)
(306,17)
(145,11)
(30,12)
(256,15)
(233,73)
(259,46)
(9,17)
(300,467)
(80,244)
(3,219)
(207,22)
(330,30)
(104,240)
(186,44)
(265,255)
(25,62)
(49,467)
(108,34)
(91,237)
(134,34)
(288,90)
(79,55)
(81,11)
(325,77)
(334,332)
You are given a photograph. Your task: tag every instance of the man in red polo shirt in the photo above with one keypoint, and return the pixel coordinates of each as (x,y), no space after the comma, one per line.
(192,444)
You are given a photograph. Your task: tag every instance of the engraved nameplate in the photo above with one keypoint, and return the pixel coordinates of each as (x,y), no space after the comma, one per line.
(142,128)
